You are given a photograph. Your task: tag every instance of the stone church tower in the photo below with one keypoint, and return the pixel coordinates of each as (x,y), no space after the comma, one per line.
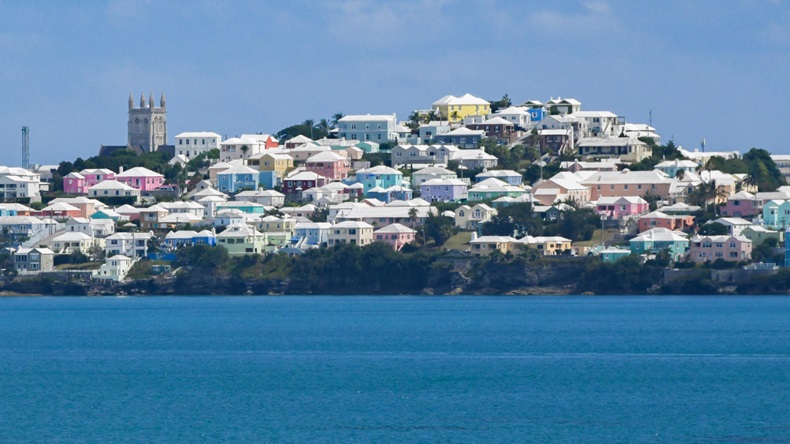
(147,124)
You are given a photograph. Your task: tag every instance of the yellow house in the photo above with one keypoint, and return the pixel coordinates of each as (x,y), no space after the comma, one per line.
(547,245)
(280,163)
(485,245)
(455,109)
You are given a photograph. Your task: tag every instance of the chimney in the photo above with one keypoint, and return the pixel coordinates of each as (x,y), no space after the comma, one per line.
(120,169)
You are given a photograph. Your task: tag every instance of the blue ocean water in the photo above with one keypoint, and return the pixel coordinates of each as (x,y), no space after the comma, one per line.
(395,369)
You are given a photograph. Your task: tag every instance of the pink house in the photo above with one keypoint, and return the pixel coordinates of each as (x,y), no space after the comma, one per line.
(331,165)
(657,219)
(741,204)
(141,178)
(74,183)
(78,183)
(729,248)
(620,207)
(396,235)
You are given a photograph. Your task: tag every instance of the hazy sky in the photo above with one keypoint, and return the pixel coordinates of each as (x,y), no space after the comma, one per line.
(712,69)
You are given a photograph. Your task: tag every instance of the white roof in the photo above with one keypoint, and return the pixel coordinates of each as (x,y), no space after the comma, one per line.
(463,131)
(353,224)
(305,175)
(660,234)
(111,185)
(380,169)
(197,134)
(444,182)
(394,228)
(367,117)
(496,239)
(326,156)
(138,172)
(61,206)
(466,99)
(238,169)
(615,177)
(72,236)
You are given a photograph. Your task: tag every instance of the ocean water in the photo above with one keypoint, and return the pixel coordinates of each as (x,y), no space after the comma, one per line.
(395,369)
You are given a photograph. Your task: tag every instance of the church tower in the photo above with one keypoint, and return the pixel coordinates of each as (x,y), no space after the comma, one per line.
(147,124)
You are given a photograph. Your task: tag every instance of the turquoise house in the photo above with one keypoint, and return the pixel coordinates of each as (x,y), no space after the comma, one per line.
(379,176)
(614,254)
(659,239)
(776,214)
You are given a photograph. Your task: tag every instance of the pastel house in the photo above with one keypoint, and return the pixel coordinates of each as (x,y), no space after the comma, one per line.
(510,177)
(728,248)
(351,232)
(660,239)
(74,183)
(141,178)
(658,219)
(486,245)
(396,235)
(311,234)
(379,176)
(621,207)
(240,239)
(741,204)
(490,189)
(468,218)
(330,165)
(237,178)
(444,190)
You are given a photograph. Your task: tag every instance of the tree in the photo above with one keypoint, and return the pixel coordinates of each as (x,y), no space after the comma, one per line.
(413,215)
(438,228)
(336,119)
(714,229)
(244,149)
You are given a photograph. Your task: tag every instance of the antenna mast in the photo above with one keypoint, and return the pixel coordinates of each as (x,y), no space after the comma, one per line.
(25,147)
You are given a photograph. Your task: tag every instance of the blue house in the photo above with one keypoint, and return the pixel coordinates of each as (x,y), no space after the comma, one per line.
(269,179)
(185,238)
(379,176)
(461,137)
(238,178)
(390,194)
(311,234)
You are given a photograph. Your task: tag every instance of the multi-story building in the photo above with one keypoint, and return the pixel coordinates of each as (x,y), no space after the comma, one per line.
(711,248)
(455,109)
(351,232)
(19,183)
(193,144)
(379,128)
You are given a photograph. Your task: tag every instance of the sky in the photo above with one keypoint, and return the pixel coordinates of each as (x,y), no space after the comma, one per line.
(713,70)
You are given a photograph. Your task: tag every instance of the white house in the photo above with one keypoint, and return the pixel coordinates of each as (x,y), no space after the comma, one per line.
(115,268)
(193,144)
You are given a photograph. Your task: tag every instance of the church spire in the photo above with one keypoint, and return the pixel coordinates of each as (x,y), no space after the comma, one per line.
(162,100)
(151,100)
(131,101)
(142,100)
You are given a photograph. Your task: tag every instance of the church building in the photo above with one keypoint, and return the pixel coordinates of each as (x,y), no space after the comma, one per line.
(147,124)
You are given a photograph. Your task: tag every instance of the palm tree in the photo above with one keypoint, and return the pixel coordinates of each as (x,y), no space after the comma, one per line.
(413,216)
(323,125)
(454,116)
(244,149)
(681,173)
(336,119)
(309,123)
(432,115)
